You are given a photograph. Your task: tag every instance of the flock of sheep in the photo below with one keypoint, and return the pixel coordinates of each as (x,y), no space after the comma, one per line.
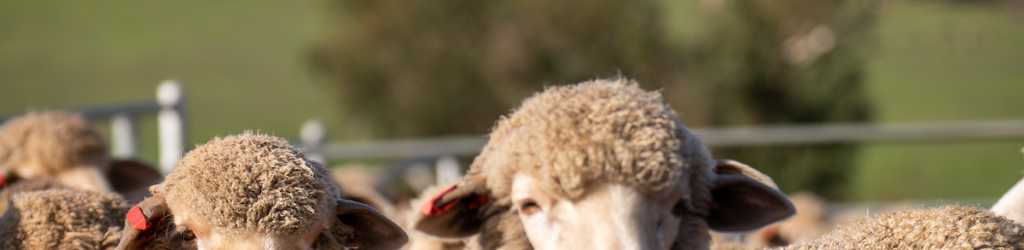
(600,164)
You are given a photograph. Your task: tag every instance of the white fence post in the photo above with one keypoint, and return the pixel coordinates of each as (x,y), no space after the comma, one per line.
(447,169)
(171,124)
(313,135)
(124,137)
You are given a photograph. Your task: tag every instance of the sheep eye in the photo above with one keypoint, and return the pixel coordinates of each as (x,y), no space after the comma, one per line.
(188,235)
(529,208)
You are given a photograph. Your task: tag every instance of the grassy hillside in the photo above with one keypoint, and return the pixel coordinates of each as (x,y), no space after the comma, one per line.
(945,62)
(242,64)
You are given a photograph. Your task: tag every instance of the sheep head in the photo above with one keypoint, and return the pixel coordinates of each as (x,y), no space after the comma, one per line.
(54,144)
(254,192)
(599,165)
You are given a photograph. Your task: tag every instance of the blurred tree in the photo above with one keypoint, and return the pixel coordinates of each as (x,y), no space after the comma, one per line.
(789,62)
(406,68)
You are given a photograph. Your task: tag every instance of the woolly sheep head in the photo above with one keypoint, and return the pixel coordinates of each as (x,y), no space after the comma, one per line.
(599,165)
(54,144)
(62,219)
(253,191)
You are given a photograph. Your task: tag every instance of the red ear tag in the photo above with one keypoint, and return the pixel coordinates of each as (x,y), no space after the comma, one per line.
(428,208)
(480,201)
(3,180)
(137,219)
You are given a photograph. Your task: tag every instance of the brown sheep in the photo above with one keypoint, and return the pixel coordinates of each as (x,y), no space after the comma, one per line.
(359,185)
(252,191)
(65,147)
(9,191)
(947,227)
(62,219)
(598,165)
(54,144)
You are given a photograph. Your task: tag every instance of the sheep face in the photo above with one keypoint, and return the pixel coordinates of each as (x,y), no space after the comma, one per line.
(611,216)
(254,192)
(601,164)
(190,232)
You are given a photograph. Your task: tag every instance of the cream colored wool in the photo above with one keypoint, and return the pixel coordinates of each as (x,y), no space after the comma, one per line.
(252,182)
(606,130)
(54,139)
(26,186)
(947,227)
(419,240)
(63,219)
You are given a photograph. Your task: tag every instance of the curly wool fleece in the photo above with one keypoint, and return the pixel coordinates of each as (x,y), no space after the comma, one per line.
(63,219)
(251,182)
(599,130)
(947,227)
(54,139)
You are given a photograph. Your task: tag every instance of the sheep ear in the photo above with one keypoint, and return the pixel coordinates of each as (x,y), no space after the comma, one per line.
(369,197)
(143,221)
(744,199)
(132,178)
(726,166)
(372,231)
(456,211)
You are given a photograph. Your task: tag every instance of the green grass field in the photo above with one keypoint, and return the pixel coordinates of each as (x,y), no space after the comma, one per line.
(945,62)
(243,65)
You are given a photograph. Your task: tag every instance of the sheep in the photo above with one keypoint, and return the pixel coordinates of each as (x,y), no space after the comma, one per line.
(809,222)
(253,191)
(418,240)
(54,144)
(359,185)
(64,146)
(1011,204)
(62,219)
(9,191)
(946,227)
(806,224)
(601,164)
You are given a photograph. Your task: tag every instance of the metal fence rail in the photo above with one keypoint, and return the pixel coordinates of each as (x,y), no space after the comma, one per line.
(842,133)
(713,137)
(168,106)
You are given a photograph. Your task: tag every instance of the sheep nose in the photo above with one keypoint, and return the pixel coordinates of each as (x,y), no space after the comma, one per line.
(628,235)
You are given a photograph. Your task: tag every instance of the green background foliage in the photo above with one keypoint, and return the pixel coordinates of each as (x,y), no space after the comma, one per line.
(789,62)
(406,68)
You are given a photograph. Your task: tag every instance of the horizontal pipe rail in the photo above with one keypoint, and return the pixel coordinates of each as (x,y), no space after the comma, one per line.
(131,109)
(457,145)
(713,137)
(851,133)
